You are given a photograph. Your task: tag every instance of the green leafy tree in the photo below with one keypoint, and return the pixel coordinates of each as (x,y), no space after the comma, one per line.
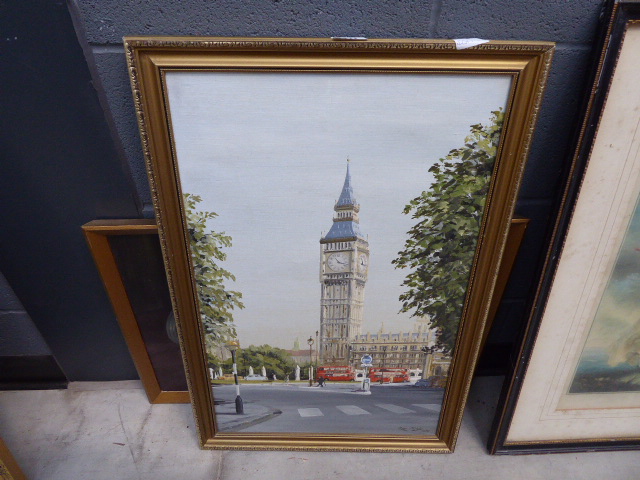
(216,302)
(441,245)
(275,360)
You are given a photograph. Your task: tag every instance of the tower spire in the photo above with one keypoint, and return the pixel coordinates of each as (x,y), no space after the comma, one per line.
(346,224)
(347,198)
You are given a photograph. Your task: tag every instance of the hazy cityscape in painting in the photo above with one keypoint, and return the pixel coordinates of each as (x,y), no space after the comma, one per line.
(340,362)
(335,287)
(398,377)
(610,361)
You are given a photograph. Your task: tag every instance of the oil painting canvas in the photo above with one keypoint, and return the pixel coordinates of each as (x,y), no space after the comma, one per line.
(333,222)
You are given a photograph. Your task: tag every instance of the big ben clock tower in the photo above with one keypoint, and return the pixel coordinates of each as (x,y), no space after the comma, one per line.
(344,264)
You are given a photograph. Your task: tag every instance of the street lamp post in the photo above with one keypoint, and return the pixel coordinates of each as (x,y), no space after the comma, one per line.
(384,354)
(317,347)
(310,342)
(233,346)
(428,353)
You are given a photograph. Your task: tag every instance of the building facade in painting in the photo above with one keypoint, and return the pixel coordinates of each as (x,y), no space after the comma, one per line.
(302,356)
(344,264)
(412,350)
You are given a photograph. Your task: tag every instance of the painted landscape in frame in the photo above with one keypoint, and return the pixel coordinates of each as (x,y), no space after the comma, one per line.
(610,360)
(333,221)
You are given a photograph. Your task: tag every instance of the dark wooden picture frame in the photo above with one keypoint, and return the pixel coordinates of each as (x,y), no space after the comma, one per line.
(560,425)
(127,254)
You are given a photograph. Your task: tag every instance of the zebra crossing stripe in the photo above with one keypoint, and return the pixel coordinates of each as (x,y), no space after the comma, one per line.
(434,407)
(310,412)
(352,410)
(355,410)
(394,408)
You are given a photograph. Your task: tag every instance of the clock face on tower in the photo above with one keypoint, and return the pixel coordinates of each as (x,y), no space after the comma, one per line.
(363,262)
(338,262)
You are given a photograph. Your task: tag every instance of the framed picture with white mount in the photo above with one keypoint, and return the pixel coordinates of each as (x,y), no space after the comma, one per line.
(577,382)
(383,171)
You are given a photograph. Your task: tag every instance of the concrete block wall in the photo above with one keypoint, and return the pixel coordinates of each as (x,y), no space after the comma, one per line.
(572,25)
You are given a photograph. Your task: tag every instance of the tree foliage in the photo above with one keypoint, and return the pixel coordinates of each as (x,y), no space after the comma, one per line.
(273,359)
(440,247)
(216,302)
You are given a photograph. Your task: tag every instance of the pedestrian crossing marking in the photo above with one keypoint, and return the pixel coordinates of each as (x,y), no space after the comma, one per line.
(352,410)
(310,412)
(434,407)
(394,408)
(356,410)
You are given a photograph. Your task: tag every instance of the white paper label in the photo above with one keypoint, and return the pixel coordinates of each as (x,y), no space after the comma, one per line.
(462,43)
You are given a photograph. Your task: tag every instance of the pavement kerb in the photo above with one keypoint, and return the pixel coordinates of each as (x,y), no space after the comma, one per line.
(228,420)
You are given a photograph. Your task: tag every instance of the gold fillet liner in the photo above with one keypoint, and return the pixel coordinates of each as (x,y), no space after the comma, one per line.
(572,441)
(149,58)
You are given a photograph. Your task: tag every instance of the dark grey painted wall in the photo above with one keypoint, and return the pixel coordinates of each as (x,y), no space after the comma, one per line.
(26,361)
(62,167)
(18,333)
(59,170)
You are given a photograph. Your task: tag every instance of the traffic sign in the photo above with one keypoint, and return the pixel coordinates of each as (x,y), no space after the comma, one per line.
(367,359)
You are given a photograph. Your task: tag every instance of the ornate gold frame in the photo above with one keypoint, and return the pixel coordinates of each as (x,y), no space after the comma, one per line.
(9,468)
(150,58)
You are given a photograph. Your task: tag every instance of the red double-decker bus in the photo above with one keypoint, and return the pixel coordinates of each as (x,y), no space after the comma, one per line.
(337,374)
(389,375)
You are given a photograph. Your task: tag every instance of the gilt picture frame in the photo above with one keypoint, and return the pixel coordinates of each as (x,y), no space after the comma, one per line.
(260,152)
(576,384)
(128,257)
(9,468)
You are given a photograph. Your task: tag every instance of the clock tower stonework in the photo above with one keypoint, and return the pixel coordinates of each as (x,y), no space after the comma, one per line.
(344,265)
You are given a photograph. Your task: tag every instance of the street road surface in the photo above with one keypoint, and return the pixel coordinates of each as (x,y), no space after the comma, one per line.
(336,408)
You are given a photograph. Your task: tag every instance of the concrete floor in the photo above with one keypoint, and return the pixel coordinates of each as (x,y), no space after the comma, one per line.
(98,431)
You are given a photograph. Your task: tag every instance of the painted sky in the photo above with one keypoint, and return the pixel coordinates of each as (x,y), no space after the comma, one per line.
(268,152)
